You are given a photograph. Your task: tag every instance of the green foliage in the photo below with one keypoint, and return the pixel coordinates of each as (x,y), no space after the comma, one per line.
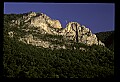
(104,35)
(9,17)
(26,61)
(21,60)
(107,38)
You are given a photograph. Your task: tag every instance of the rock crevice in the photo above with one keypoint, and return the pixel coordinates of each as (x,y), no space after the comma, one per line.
(44,24)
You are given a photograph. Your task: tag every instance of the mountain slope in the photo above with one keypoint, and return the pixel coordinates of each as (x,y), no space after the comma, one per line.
(27,61)
(31,27)
(107,38)
(34,52)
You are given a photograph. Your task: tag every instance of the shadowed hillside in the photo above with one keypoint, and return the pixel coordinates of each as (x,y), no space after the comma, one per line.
(107,38)
(38,52)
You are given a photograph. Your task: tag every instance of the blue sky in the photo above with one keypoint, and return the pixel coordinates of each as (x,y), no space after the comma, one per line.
(98,17)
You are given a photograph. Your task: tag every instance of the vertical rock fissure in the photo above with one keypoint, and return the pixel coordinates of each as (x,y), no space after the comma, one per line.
(45,25)
(76,32)
(75,28)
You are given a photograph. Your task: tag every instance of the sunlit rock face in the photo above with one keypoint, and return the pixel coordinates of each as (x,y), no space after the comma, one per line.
(43,24)
(84,35)
(42,18)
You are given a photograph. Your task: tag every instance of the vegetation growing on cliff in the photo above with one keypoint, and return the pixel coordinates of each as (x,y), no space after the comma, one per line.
(26,61)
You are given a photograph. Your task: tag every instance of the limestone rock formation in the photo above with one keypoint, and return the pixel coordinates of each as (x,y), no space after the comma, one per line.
(30,39)
(74,31)
(55,23)
(42,24)
(37,19)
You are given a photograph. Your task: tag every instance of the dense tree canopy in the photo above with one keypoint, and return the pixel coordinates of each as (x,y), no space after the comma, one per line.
(21,60)
(107,38)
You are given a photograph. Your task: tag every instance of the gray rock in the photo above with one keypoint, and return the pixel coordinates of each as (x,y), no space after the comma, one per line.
(43,24)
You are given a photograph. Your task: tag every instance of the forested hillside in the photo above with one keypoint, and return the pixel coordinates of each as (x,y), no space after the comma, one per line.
(107,38)
(22,60)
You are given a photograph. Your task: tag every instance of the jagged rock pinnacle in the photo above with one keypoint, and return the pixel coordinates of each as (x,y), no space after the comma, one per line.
(73,31)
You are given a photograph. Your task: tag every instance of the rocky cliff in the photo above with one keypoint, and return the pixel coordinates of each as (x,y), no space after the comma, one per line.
(81,34)
(40,24)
